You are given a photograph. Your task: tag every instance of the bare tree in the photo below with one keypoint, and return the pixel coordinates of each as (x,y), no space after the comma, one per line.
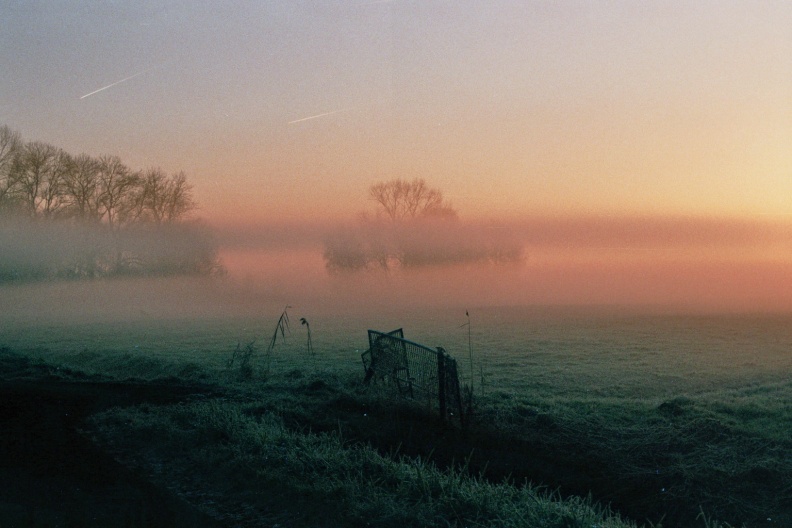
(179,200)
(116,186)
(164,199)
(407,241)
(81,185)
(53,196)
(402,200)
(131,222)
(36,181)
(10,147)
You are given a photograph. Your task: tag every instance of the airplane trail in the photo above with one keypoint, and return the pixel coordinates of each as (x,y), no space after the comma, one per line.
(317,116)
(376,2)
(117,82)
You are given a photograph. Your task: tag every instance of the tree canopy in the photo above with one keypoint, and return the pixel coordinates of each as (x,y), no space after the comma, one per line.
(413,227)
(401,200)
(63,215)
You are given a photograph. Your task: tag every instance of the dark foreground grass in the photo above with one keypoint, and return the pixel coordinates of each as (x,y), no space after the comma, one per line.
(668,460)
(256,465)
(314,448)
(652,461)
(51,475)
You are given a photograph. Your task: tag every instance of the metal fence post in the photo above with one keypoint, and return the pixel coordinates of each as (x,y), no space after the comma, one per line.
(441,382)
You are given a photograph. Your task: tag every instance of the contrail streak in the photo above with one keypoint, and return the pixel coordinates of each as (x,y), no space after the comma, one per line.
(317,116)
(376,2)
(117,82)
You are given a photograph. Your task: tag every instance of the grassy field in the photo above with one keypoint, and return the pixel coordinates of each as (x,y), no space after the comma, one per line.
(673,421)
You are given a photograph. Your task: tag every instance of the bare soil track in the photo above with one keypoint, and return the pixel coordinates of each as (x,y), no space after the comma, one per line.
(51,475)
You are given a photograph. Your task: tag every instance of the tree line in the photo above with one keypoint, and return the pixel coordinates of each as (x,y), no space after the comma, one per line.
(79,216)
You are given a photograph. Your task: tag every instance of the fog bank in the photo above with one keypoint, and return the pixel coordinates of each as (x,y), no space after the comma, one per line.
(679,265)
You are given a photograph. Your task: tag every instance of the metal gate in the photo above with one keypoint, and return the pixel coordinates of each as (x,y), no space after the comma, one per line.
(415,370)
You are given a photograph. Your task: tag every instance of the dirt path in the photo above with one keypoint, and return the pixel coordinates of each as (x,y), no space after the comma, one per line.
(50,475)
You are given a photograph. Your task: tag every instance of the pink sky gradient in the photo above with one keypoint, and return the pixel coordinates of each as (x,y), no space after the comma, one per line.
(641,150)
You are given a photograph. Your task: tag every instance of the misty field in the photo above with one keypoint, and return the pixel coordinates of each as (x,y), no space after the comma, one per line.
(670,420)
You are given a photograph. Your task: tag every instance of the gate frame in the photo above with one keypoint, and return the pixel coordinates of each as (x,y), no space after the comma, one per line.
(388,358)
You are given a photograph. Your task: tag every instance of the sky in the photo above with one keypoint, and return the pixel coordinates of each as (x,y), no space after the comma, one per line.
(637,118)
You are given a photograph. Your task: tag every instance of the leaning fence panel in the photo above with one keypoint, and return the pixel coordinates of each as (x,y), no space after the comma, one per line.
(415,370)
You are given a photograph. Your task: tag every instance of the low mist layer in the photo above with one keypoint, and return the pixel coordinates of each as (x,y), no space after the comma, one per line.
(36,250)
(673,263)
(81,217)
(683,265)
(417,244)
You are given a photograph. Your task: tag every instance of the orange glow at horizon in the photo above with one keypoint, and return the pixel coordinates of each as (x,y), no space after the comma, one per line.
(675,284)
(561,163)
(674,264)
(640,151)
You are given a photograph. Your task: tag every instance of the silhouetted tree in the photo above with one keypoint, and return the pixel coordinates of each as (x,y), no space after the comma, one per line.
(116,188)
(75,217)
(405,233)
(36,176)
(81,184)
(401,200)
(10,147)
(54,197)
(163,199)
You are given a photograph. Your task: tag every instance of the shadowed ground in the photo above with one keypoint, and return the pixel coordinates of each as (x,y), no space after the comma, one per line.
(51,475)
(667,462)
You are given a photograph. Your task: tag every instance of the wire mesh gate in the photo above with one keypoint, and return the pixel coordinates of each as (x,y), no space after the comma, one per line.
(415,370)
